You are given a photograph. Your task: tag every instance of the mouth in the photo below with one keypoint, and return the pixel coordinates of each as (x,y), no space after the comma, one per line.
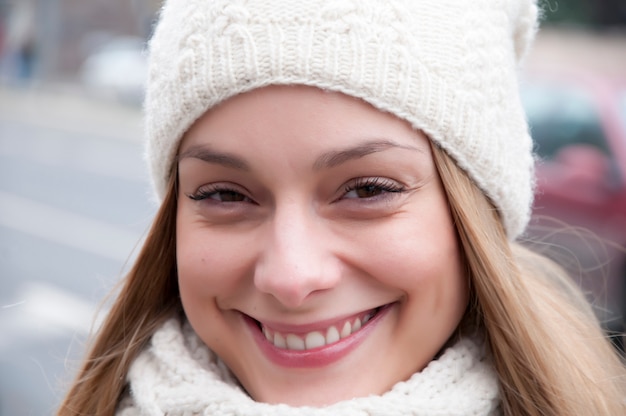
(318,338)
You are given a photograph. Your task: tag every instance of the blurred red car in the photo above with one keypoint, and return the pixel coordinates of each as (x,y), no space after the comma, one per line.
(578,124)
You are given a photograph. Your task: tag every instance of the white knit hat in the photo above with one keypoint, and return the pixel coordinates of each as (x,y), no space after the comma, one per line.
(448,67)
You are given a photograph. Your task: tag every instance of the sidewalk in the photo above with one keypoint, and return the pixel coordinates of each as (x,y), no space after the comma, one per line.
(65,107)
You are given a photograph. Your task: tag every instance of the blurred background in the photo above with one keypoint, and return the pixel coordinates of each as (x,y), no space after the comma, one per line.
(75,199)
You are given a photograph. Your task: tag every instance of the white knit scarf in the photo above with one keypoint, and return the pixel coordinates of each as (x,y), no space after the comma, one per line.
(178,375)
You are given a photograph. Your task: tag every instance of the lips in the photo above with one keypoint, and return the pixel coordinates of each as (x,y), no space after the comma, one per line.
(316,345)
(318,338)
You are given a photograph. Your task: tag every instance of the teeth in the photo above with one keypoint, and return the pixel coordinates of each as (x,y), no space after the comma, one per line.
(279,340)
(294,342)
(332,335)
(367,317)
(347,330)
(315,339)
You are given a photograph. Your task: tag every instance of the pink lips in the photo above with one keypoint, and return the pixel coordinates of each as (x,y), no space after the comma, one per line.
(314,357)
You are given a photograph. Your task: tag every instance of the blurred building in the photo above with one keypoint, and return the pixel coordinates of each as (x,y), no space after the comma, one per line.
(83,25)
(62,33)
(56,36)
(18,38)
(591,13)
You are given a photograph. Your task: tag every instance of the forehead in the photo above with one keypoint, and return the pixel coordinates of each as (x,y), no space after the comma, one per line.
(299,116)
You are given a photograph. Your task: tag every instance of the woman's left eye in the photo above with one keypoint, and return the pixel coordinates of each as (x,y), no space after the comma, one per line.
(368,188)
(219,194)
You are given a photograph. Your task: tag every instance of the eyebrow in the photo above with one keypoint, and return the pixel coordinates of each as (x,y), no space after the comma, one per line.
(337,157)
(211,156)
(327,160)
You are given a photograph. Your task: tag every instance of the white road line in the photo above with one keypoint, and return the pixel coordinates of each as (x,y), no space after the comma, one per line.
(66,228)
(12,305)
(41,311)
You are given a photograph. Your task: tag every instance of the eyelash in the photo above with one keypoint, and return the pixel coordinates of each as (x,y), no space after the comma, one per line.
(377,184)
(209,191)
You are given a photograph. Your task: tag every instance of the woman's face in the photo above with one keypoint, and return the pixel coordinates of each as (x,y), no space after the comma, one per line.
(315,249)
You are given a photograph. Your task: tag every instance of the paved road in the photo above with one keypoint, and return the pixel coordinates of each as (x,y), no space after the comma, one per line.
(73,205)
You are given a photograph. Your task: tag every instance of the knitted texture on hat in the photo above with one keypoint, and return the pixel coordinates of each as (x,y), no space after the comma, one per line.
(178,375)
(448,67)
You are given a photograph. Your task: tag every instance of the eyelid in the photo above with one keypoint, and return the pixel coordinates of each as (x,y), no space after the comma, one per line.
(205,191)
(387,185)
(373,181)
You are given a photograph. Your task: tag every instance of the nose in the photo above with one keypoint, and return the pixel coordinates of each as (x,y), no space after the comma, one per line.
(297,259)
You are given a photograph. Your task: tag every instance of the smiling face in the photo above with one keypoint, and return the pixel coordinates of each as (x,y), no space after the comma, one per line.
(316,253)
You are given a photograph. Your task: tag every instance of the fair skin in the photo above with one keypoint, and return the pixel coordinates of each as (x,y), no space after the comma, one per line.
(301,212)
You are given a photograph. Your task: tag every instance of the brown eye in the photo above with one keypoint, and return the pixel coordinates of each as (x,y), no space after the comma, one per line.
(228,196)
(365,188)
(368,191)
(219,194)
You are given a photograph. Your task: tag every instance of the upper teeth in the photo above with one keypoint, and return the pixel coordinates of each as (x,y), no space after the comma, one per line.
(316,339)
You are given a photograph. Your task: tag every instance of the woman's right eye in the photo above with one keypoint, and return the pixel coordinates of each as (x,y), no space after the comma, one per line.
(219,194)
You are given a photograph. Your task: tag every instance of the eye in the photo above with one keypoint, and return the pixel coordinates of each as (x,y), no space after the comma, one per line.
(369,188)
(219,194)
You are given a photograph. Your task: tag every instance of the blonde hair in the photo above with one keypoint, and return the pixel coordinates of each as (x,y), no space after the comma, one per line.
(550,353)
(148,297)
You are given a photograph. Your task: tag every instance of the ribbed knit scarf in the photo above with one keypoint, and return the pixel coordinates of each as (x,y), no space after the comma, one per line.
(178,375)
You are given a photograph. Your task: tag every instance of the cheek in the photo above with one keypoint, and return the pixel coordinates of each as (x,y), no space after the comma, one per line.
(416,250)
(428,268)
(418,255)
(210,265)
(430,273)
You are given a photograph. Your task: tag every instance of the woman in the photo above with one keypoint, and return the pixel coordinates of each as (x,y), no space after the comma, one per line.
(341,185)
